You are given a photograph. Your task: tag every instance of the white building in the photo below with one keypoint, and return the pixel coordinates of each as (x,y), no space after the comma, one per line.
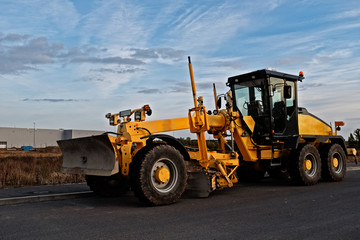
(39,138)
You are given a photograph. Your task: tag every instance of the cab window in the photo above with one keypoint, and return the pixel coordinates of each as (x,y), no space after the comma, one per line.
(282,109)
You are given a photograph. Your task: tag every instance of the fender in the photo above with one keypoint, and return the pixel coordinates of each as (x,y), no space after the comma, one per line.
(171,141)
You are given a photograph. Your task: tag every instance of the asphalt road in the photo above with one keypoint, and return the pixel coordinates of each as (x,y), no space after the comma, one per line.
(268,210)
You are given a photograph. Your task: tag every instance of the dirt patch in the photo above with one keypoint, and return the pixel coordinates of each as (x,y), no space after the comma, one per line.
(29,168)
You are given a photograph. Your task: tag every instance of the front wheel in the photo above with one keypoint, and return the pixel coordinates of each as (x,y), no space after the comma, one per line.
(306,166)
(160,177)
(334,163)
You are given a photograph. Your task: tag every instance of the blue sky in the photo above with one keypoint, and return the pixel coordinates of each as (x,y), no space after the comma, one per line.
(65,64)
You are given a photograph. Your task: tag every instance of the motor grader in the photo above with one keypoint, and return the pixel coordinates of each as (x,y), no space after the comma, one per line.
(260,129)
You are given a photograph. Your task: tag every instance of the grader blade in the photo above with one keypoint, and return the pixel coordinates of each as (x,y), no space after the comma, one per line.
(93,155)
(198,185)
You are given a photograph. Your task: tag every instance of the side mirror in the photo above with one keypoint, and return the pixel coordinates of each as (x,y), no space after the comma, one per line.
(287,92)
(218,103)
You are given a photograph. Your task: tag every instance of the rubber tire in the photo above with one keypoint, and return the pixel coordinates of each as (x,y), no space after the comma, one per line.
(298,173)
(141,175)
(330,173)
(108,186)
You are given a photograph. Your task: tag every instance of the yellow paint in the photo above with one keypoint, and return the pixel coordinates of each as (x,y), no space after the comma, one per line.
(351,152)
(335,162)
(126,158)
(162,175)
(204,160)
(309,125)
(192,83)
(223,172)
(226,159)
(307,164)
(249,122)
(133,131)
(225,163)
(157,126)
(217,122)
(243,141)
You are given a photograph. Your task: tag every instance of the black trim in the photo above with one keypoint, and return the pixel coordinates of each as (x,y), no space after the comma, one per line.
(261,74)
(105,133)
(323,138)
(312,138)
(289,141)
(293,141)
(291,125)
(169,140)
(339,140)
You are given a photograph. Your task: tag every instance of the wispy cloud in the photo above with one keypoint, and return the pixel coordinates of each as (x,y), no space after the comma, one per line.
(22,52)
(13,37)
(206,26)
(41,17)
(348,14)
(164,53)
(112,70)
(306,86)
(149,91)
(54,100)
(115,18)
(228,64)
(108,60)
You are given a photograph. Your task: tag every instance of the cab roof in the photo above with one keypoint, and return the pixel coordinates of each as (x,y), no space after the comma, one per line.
(262,74)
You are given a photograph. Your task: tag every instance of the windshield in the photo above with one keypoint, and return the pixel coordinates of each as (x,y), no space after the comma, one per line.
(252,100)
(249,98)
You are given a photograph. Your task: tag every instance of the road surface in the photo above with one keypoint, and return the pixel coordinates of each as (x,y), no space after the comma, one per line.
(267,210)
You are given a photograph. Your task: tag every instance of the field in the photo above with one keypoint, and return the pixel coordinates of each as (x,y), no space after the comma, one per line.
(28,168)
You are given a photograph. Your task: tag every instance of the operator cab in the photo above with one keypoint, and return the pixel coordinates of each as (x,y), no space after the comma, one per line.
(270,98)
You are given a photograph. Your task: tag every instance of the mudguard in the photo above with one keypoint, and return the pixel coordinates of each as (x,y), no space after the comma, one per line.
(95,155)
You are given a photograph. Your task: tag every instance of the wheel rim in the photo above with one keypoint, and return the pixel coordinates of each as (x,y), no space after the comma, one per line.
(164,175)
(337,162)
(310,165)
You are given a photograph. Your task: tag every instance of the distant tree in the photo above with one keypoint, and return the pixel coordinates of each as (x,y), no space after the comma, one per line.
(351,141)
(354,139)
(357,134)
(188,142)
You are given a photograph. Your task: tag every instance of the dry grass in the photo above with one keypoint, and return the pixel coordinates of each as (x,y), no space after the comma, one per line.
(43,166)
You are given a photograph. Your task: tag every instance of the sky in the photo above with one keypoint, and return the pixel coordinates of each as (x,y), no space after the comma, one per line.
(66,63)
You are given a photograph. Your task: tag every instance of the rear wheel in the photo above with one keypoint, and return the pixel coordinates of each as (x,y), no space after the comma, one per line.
(334,163)
(306,167)
(109,186)
(159,175)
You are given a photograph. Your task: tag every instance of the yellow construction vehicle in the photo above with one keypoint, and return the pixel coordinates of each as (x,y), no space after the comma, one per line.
(261,129)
